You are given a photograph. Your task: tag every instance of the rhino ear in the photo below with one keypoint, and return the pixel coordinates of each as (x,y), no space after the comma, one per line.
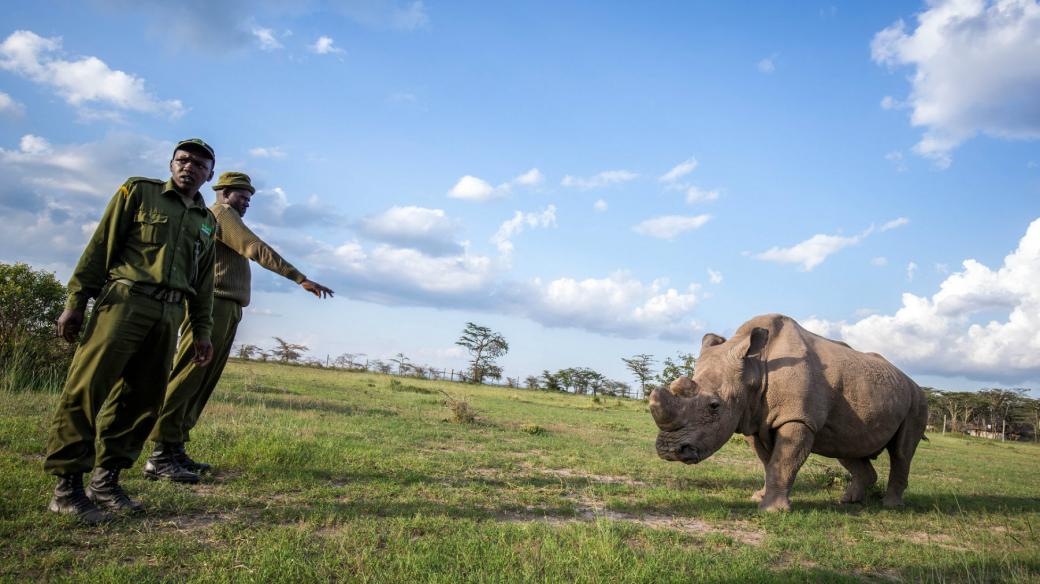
(710,340)
(756,343)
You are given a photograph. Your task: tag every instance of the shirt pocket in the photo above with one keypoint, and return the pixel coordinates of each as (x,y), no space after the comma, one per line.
(151,225)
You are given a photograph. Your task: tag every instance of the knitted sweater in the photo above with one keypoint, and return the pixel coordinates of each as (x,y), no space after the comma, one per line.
(236,245)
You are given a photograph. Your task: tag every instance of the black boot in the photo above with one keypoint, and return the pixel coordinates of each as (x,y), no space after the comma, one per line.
(184,460)
(70,498)
(106,492)
(162,464)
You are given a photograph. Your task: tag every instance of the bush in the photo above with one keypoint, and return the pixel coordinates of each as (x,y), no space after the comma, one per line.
(31,355)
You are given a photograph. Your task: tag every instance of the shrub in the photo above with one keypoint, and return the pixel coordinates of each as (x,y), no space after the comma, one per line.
(31,355)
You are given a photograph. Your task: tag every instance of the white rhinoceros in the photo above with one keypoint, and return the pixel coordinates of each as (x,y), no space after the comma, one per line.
(791,392)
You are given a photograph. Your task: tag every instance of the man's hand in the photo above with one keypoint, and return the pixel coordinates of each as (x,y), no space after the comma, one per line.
(69,324)
(203,353)
(316,289)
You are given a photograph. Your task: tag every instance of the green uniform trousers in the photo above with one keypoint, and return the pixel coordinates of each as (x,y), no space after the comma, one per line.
(191,385)
(115,384)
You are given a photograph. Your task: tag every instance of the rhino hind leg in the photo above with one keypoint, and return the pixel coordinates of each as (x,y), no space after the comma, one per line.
(863,478)
(900,452)
(793,443)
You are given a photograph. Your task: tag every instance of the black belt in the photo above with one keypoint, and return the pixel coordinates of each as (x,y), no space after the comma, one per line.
(152,291)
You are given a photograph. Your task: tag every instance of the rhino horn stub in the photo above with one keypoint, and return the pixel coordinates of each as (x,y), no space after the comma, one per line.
(665,408)
(684,386)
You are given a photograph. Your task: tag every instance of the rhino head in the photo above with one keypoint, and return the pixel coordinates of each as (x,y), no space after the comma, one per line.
(697,416)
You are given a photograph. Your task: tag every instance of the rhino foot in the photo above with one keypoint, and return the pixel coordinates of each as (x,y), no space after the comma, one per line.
(891,501)
(758,495)
(853,496)
(775,505)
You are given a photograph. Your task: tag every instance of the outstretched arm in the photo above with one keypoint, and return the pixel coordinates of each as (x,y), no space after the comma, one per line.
(316,289)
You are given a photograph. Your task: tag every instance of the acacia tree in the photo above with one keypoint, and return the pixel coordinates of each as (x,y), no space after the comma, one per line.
(287,352)
(684,364)
(248,351)
(642,367)
(402,363)
(484,346)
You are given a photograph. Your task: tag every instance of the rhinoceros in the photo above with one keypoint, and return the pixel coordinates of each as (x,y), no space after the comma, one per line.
(791,392)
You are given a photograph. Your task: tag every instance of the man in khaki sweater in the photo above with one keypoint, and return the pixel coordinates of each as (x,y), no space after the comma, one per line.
(190,384)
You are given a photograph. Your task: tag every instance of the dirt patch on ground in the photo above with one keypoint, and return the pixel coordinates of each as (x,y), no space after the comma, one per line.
(924,538)
(588,510)
(566,473)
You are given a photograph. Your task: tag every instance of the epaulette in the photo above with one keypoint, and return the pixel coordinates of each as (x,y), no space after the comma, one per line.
(130,182)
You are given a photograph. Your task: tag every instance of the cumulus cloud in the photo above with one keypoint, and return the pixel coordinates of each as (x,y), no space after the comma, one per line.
(325,46)
(813,251)
(943,334)
(427,230)
(976,69)
(767,65)
(9,106)
(603,179)
(670,226)
(472,188)
(81,82)
(272,207)
(714,277)
(600,206)
(879,262)
(516,225)
(616,305)
(267,152)
(911,270)
(412,16)
(698,195)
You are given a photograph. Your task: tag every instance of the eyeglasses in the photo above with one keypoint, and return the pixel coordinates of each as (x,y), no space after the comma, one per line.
(185,160)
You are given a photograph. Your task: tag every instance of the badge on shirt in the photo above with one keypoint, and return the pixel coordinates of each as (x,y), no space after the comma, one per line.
(207,230)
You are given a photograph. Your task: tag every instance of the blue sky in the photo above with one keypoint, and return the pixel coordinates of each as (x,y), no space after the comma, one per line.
(593,180)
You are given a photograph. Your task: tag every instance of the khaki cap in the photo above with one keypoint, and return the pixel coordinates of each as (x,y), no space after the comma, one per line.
(234,180)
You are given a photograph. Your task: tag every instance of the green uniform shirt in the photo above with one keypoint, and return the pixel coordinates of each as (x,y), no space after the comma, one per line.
(149,235)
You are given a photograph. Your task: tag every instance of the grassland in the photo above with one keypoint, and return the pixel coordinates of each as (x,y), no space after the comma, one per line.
(333,476)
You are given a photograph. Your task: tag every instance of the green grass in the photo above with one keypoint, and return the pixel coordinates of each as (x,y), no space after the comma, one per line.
(326,475)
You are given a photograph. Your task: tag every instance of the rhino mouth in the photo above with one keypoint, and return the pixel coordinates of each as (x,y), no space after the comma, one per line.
(687,454)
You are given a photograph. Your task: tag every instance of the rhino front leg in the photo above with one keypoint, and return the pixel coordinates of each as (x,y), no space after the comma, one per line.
(863,477)
(791,447)
(764,454)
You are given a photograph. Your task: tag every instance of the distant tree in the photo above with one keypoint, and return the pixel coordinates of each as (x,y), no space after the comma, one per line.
(532,382)
(484,346)
(1032,407)
(551,380)
(247,351)
(349,360)
(380,366)
(1000,403)
(287,352)
(30,303)
(565,377)
(617,388)
(684,364)
(642,367)
(402,363)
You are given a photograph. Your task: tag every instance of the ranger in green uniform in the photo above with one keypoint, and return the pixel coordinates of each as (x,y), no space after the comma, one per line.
(191,384)
(152,250)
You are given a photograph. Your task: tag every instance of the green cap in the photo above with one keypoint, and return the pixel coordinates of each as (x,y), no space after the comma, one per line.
(234,180)
(198,146)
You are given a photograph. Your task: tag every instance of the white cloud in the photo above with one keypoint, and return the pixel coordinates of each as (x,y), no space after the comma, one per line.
(670,226)
(9,106)
(267,39)
(698,195)
(325,46)
(412,272)
(80,82)
(714,277)
(767,65)
(911,269)
(942,335)
(513,227)
(896,158)
(272,207)
(471,188)
(890,103)
(428,230)
(679,170)
(600,206)
(898,222)
(811,252)
(603,179)
(976,70)
(879,262)
(617,305)
(267,152)
(531,178)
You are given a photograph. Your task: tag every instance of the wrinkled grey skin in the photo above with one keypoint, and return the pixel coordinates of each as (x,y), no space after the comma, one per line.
(791,392)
